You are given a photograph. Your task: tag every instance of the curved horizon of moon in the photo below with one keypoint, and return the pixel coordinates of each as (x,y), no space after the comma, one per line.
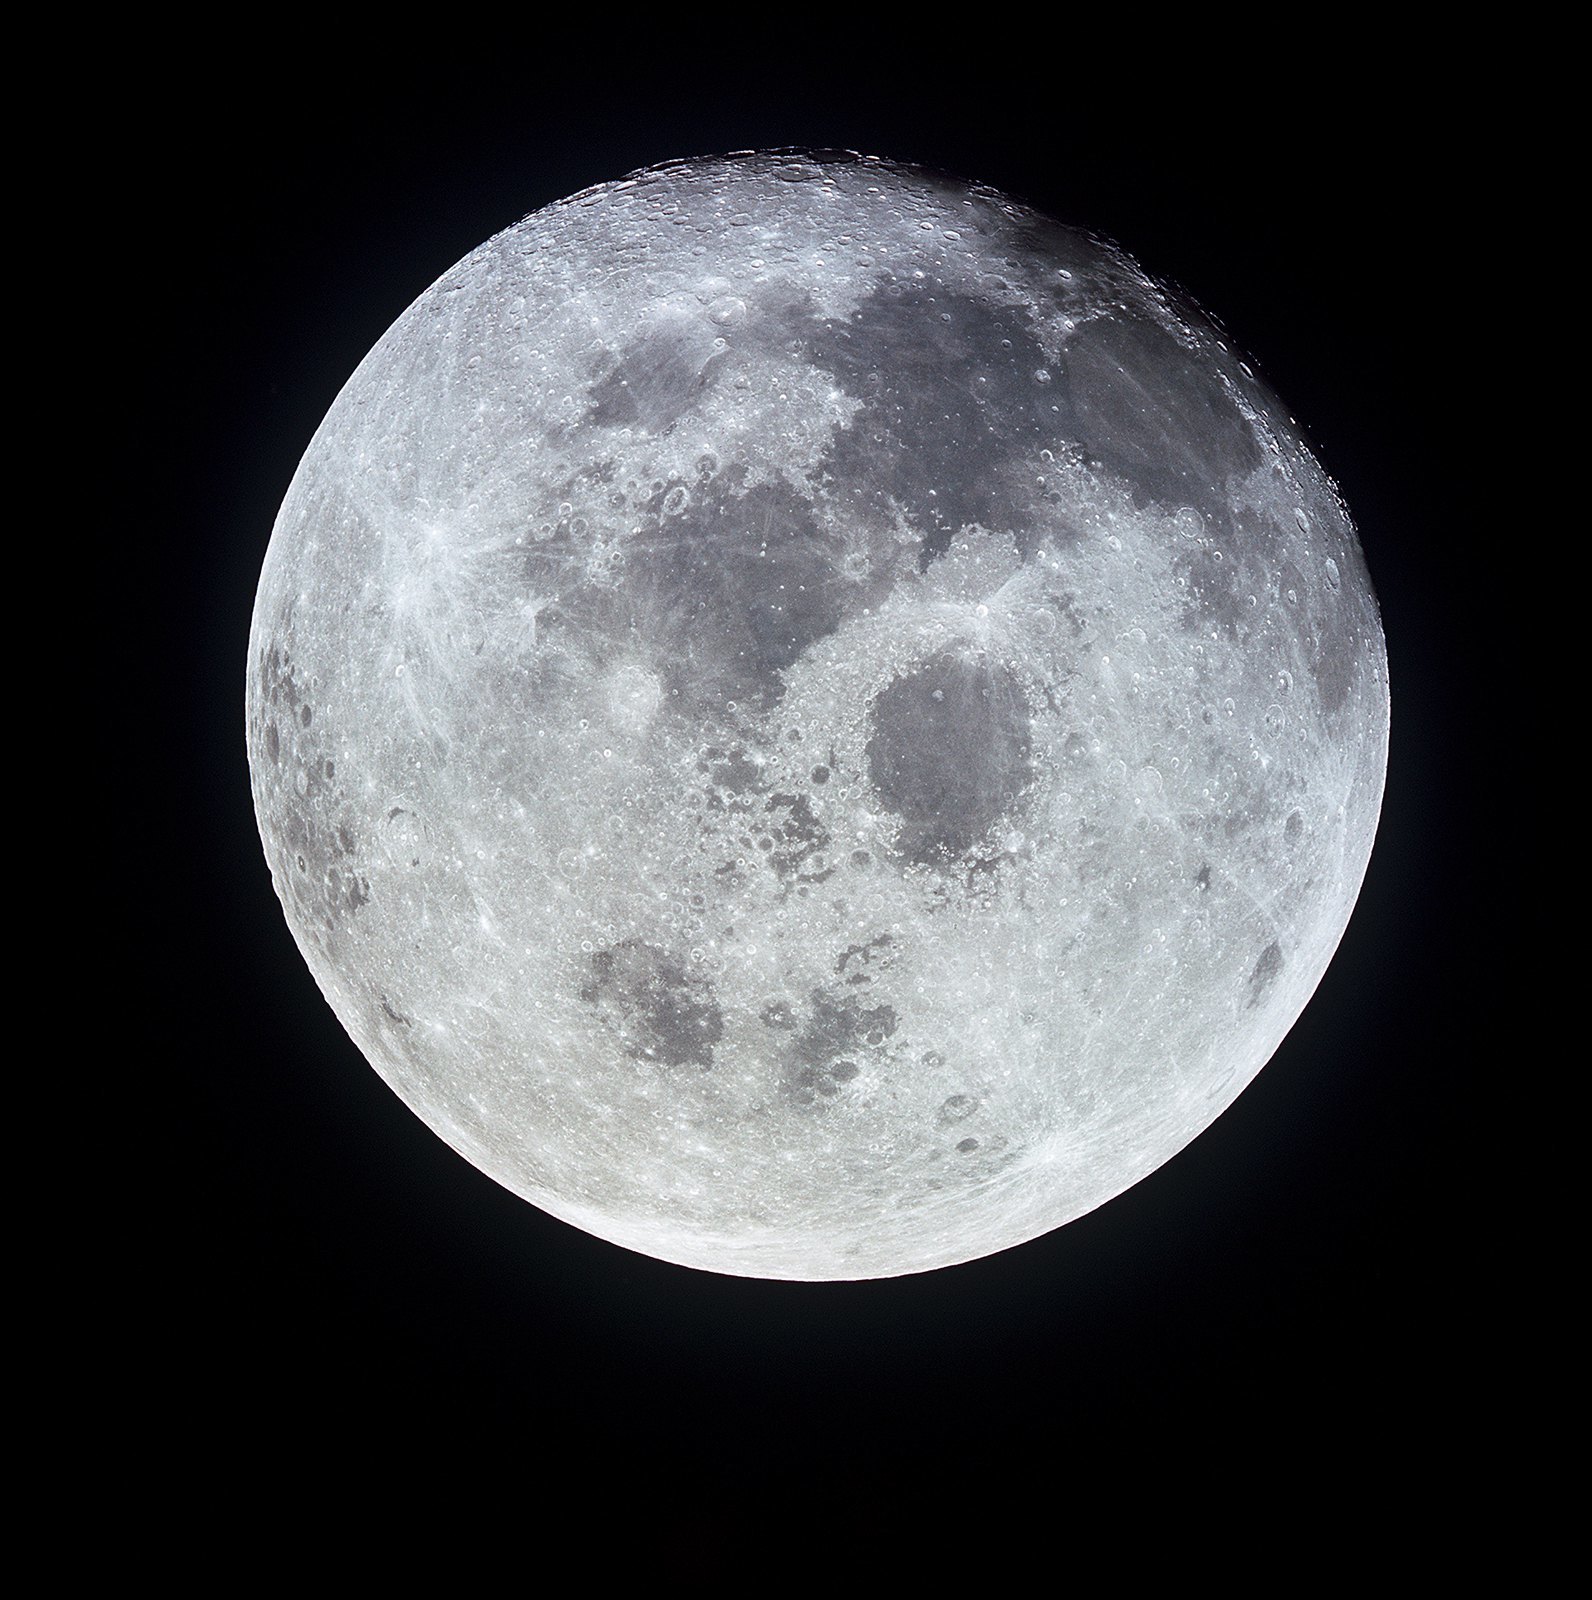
(812,721)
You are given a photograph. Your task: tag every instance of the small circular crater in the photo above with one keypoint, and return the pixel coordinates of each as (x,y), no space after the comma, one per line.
(958,1109)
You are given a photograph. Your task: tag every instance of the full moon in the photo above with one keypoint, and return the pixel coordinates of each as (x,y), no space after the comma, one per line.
(812,721)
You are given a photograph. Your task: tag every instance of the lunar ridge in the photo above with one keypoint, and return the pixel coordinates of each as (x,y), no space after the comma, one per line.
(811,721)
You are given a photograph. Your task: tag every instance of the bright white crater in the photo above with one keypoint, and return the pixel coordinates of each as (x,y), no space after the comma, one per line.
(811,721)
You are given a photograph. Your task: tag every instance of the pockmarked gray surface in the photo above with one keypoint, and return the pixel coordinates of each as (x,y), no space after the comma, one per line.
(812,721)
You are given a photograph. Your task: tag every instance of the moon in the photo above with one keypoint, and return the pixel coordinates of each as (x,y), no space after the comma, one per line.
(811,721)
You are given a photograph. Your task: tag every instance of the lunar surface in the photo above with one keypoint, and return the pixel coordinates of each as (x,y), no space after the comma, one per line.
(811,721)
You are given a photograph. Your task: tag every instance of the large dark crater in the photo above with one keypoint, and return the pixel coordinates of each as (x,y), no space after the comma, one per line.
(949,752)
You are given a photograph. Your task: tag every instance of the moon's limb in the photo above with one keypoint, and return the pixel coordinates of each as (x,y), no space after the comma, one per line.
(811,721)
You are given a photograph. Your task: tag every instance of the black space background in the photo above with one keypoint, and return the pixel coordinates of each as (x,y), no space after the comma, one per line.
(312,1269)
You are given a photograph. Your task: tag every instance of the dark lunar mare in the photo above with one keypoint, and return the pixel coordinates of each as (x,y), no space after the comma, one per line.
(956,392)
(949,753)
(665,1012)
(1156,415)
(725,586)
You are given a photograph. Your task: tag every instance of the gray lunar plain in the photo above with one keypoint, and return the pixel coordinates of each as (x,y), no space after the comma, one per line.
(811,721)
